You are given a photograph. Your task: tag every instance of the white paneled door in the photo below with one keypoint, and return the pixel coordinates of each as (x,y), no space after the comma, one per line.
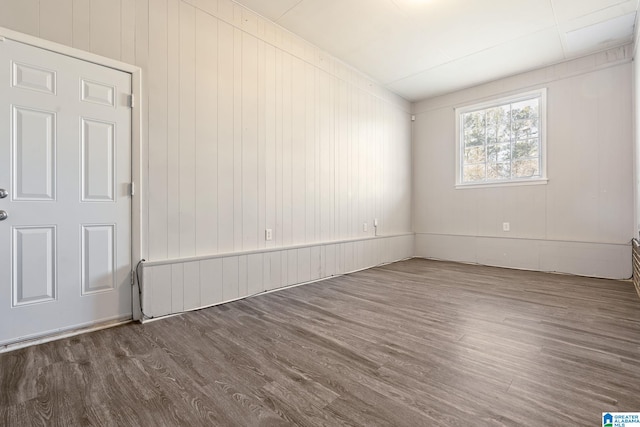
(65,168)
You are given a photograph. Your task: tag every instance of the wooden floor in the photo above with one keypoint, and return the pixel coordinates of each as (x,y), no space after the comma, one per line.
(416,343)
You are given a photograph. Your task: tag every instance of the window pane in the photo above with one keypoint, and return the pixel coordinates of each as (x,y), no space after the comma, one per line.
(527,128)
(526,148)
(474,128)
(504,127)
(473,173)
(474,155)
(498,170)
(498,124)
(499,152)
(525,109)
(526,168)
(492,133)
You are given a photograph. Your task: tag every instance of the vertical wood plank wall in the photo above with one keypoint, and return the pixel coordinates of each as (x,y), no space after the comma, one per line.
(246,127)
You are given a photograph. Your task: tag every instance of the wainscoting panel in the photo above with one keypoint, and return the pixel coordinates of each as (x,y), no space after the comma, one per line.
(175,286)
(604,260)
(636,265)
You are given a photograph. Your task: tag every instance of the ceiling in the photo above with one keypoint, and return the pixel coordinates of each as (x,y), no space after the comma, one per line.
(424,48)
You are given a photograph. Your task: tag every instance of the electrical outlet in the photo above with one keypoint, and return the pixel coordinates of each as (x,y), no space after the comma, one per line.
(365,227)
(268,234)
(506,226)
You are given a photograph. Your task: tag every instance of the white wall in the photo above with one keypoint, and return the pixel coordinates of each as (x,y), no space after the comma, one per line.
(581,222)
(246,127)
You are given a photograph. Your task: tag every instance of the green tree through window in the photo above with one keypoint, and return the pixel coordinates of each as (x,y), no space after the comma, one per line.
(502,142)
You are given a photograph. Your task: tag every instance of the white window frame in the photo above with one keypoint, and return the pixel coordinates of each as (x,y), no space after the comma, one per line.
(542,129)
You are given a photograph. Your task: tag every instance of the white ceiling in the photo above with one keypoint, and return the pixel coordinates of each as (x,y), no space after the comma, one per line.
(423,48)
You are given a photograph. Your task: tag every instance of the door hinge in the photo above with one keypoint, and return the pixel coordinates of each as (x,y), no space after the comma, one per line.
(132,189)
(131,101)
(133,275)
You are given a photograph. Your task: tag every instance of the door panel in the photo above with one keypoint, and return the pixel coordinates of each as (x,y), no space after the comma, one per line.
(98,258)
(34,154)
(98,161)
(98,93)
(34,260)
(33,78)
(65,158)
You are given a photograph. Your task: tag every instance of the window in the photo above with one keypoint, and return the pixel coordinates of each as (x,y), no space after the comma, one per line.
(502,141)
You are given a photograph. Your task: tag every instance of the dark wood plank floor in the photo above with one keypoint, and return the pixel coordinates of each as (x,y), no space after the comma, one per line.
(416,343)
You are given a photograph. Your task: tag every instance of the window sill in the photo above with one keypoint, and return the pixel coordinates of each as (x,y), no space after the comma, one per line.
(515,183)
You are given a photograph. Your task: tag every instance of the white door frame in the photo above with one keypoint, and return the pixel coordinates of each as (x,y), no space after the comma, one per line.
(138,168)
